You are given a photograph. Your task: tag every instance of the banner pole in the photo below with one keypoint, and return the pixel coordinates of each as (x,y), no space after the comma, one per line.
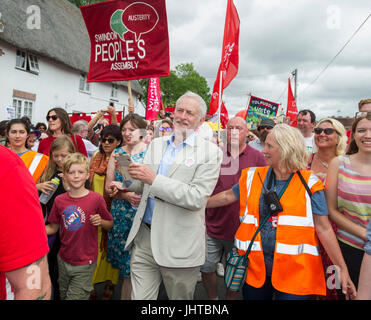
(220,102)
(130,94)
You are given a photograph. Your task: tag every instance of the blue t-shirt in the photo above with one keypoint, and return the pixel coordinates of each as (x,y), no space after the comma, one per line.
(268,232)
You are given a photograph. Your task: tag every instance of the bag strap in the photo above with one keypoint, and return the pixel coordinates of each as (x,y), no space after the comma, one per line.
(304,183)
(256,233)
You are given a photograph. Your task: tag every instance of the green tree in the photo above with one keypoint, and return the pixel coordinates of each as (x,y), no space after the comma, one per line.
(182,79)
(80,3)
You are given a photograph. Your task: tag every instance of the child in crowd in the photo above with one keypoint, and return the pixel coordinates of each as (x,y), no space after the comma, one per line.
(59,150)
(78,213)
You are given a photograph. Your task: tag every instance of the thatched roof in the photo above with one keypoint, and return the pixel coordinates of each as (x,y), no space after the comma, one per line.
(62,37)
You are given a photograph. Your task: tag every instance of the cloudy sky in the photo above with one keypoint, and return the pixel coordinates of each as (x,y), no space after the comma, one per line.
(277,37)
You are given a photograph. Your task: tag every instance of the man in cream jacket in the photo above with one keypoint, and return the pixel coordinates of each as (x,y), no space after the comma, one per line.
(176,178)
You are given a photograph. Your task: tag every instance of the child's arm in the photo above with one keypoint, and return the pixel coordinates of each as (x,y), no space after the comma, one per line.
(96,220)
(51,228)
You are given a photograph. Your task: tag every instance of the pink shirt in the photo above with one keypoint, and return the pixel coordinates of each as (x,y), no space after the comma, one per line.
(79,238)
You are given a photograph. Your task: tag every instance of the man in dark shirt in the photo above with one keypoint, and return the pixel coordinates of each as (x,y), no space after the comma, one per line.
(222,223)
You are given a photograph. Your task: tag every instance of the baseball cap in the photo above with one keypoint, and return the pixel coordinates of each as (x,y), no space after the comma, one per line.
(267,122)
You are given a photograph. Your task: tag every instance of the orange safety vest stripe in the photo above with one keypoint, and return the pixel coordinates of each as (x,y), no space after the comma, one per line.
(297,264)
(29,157)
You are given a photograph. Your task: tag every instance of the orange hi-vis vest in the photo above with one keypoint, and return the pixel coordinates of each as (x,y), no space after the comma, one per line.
(297,265)
(36,163)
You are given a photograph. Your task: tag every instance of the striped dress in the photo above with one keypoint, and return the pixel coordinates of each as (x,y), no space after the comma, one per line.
(354,200)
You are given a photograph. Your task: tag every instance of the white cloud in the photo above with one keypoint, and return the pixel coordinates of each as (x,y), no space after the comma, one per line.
(277,37)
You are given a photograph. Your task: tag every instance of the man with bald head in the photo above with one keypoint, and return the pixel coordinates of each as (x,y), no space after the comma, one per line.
(222,222)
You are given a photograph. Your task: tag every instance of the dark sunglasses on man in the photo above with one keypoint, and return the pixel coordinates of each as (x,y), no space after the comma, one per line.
(265,127)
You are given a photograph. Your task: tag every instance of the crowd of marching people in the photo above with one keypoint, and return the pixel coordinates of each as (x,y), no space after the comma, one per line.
(159,205)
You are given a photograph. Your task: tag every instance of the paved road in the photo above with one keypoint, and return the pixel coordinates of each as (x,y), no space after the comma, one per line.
(200,293)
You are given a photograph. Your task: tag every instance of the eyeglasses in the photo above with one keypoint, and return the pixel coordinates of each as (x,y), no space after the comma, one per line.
(109,140)
(327,131)
(53,117)
(164,129)
(265,127)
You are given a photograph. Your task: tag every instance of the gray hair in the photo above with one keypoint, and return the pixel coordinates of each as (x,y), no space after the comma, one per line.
(202,108)
(79,125)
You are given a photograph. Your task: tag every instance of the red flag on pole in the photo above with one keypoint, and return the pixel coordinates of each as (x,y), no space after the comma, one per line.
(292,110)
(154,99)
(224,115)
(229,64)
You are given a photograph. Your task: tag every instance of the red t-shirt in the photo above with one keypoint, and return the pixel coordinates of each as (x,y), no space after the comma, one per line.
(79,238)
(22,230)
(44,145)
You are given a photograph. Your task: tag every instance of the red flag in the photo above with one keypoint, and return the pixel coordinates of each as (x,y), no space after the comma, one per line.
(223,116)
(292,110)
(129,39)
(229,63)
(154,99)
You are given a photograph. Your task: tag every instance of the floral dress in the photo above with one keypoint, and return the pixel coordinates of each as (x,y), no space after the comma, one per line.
(123,215)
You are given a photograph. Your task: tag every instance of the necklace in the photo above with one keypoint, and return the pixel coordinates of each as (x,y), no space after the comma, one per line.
(323,163)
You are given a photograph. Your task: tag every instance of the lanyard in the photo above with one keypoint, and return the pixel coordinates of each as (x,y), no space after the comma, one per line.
(272,178)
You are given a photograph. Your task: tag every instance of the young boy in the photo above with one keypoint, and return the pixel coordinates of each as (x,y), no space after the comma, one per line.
(78,213)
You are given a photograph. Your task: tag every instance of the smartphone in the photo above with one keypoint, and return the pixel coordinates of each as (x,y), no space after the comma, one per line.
(124,161)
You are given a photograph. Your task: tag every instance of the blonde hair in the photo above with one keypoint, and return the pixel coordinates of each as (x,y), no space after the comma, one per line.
(62,142)
(342,135)
(75,158)
(362,102)
(294,154)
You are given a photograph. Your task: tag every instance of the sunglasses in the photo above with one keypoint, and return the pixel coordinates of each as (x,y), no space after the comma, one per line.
(164,129)
(327,131)
(360,114)
(109,140)
(265,127)
(54,117)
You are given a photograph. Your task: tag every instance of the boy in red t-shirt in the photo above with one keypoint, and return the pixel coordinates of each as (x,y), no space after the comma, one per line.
(77,214)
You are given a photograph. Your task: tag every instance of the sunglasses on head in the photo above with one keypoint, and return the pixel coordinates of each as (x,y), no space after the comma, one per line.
(164,129)
(109,140)
(327,131)
(53,117)
(361,114)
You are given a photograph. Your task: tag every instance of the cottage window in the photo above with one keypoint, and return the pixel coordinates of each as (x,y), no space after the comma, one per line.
(84,86)
(114,92)
(27,62)
(22,108)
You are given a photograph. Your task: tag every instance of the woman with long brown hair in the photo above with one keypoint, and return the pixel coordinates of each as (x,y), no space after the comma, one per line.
(347,191)
(59,124)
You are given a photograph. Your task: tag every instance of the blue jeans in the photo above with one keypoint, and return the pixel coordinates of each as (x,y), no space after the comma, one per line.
(267,292)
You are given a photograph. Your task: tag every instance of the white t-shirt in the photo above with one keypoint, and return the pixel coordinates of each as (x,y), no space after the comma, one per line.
(309,142)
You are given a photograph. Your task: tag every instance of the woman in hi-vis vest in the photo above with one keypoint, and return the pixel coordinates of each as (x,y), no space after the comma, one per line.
(284,261)
(17,132)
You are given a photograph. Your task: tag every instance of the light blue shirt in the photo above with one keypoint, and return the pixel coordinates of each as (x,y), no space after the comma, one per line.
(167,160)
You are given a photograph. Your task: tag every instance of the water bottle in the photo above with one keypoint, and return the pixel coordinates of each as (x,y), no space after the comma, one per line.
(45,197)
